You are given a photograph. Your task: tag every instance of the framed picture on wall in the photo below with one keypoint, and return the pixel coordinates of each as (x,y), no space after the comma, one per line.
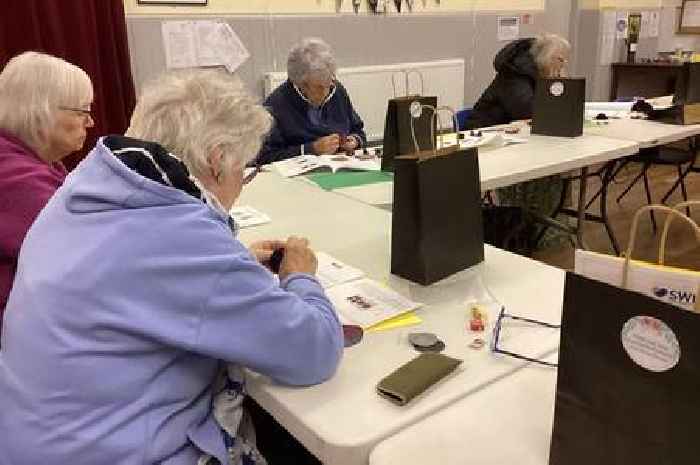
(172,2)
(689,22)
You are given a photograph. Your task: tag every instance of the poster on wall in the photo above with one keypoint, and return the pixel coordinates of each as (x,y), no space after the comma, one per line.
(621,24)
(650,24)
(508,28)
(644,29)
(190,44)
(654,20)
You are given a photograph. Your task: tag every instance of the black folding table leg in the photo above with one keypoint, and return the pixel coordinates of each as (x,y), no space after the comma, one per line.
(610,173)
(648,192)
(622,164)
(582,187)
(631,185)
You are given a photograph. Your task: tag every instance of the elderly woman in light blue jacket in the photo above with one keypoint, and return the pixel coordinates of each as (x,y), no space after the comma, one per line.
(131,290)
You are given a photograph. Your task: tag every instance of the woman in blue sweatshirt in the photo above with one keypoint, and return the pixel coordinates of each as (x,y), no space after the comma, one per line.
(131,291)
(312,110)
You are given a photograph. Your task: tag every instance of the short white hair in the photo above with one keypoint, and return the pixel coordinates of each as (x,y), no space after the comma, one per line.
(546,47)
(312,57)
(192,112)
(33,86)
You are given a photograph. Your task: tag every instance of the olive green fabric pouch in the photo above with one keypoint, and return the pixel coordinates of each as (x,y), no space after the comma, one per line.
(414,377)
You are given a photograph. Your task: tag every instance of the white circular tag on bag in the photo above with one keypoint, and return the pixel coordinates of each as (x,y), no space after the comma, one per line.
(557,89)
(416,109)
(650,343)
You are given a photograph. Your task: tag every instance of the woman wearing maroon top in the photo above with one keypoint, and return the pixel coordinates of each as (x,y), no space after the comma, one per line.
(44,112)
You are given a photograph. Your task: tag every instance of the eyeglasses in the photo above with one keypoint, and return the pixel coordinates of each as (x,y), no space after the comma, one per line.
(251,174)
(497,334)
(87,114)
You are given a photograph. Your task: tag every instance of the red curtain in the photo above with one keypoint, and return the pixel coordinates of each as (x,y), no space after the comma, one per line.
(89,33)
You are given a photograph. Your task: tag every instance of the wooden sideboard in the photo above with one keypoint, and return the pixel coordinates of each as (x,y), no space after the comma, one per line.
(643,79)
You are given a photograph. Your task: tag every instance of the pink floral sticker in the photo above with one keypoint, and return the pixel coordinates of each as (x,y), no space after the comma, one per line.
(650,343)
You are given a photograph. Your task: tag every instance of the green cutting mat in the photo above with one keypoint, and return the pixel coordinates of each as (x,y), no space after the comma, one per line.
(330,181)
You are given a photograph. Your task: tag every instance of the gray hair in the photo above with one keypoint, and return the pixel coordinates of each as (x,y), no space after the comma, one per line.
(33,86)
(310,57)
(546,47)
(192,112)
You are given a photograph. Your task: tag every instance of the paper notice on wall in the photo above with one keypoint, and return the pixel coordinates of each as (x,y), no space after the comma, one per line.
(621,24)
(654,20)
(179,42)
(202,43)
(608,37)
(508,28)
(644,26)
(231,48)
(207,41)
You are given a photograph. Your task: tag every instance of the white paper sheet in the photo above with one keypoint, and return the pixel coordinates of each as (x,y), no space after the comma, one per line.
(179,42)
(202,43)
(654,20)
(306,163)
(608,106)
(508,28)
(207,40)
(644,26)
(621,24)
(331,271)
(246,217)
(366,302)
(231,49)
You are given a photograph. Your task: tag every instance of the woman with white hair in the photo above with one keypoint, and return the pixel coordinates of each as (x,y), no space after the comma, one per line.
(131,290)
(312,110)
(518,66)
(44,113)
(510,97)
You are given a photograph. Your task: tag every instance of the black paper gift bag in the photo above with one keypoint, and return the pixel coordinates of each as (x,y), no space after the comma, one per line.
(559,107)
(628,388)
(437,224)
(397,128)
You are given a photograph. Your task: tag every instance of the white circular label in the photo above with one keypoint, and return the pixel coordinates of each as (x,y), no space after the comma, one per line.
(557,88)
(416,109)
(650,343)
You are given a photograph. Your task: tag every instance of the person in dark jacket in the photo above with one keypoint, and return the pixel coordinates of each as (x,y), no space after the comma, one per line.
(518,65)
(312,111)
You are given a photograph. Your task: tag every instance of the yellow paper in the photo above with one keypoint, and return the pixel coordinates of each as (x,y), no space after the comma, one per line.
(399,321)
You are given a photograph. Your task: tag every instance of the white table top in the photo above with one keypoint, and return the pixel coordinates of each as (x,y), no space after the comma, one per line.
(541,156)
(645,133)
(341,420)
(508,423)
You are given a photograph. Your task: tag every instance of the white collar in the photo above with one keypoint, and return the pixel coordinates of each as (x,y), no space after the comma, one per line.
(328,97)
